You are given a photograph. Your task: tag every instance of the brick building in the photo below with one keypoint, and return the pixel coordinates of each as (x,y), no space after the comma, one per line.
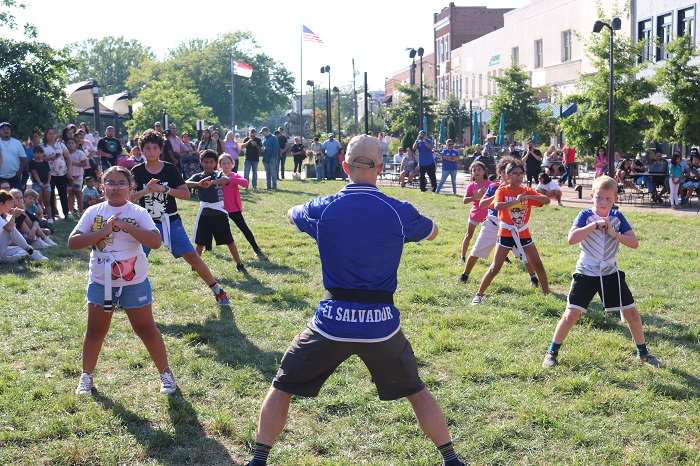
(452,27)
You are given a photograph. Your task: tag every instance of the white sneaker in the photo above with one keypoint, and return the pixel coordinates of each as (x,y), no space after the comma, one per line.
(84,384)
(50,242)
(39,244)
(477,299)
(167,383)
(37,256)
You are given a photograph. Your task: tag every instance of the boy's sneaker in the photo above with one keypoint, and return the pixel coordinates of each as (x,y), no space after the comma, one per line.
(84,384)
(222,298)
(477,299)
(550,360)
(167,383)
(241,268)
(534,281)
(464,278)
(37,256)
(652,360)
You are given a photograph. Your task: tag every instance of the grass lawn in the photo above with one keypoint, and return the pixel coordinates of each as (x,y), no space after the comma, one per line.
(599,406)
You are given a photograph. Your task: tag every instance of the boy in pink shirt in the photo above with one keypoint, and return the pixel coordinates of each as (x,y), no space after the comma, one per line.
(233,202)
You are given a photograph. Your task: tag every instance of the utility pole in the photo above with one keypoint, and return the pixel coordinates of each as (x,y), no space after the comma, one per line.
(366,110)
(354,95)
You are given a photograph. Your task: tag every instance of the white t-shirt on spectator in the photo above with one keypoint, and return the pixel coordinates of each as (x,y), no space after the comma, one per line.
(130,266)
(551,186)
(77,157)
(12,151)
(58,166)
(398,158)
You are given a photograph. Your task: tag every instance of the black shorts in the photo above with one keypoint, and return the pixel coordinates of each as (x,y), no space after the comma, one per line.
(213,226)
(509,242)
(312,358)
(584,287)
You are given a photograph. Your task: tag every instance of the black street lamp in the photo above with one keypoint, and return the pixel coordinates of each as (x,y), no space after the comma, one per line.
(329,125)
(614,25)
(337,93)
(96,105)
(420,54)
(313,97)
(412,56)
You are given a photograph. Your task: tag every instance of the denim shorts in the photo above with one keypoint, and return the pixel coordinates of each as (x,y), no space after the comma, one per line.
(132,296)
(179,241)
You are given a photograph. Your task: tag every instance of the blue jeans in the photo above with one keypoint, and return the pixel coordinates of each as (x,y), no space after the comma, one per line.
(320,171)
(453,175)
(272,168)
(249,165)
(330,167)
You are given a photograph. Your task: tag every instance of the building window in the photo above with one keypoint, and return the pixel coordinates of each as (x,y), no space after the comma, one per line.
(566,46)
(473,87)
(538,53)
(515,56)
(481,85)
(664,35)
(466,85)
(686,23)
(644,34)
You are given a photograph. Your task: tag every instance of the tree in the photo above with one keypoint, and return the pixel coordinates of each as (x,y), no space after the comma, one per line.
(33,78)
(108,60)
(456,117)
(679,81)
(517,100)
(206,65)
(403,113)
(588,127)
(182,104)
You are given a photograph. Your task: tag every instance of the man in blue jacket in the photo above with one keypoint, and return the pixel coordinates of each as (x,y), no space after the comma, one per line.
(271,158)
(360,233)
(331,148)
(426,160)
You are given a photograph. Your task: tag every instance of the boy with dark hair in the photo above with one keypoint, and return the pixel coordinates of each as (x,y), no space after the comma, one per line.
(600,231)
(212,219)
(158,184)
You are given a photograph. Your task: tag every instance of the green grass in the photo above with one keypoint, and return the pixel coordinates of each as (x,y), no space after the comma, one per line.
(483,364)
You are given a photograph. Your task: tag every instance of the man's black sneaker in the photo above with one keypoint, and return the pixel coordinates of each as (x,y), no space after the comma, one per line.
(534,281)
(464,277)
(241,268)
(651,360)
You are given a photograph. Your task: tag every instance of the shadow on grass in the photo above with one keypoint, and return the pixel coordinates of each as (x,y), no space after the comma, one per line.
(189,445)
(231,345)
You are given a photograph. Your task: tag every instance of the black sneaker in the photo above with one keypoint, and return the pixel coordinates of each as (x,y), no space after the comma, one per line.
(652,360)
(534,281)
(241,268)
(464,259)
(507,260)
(464,277)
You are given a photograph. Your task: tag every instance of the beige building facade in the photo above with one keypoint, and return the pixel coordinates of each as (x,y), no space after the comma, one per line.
(547,38)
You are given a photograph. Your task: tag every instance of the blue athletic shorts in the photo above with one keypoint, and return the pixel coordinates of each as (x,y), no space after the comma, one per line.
(132,296)
(179,241)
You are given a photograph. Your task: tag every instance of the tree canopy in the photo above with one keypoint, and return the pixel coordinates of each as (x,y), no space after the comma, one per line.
(402,116)
(108,60)
(517,100)
(588,128)
(679,81)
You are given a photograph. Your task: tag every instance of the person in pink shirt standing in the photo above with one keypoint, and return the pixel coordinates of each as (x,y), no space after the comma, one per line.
(475,191)
(601,162)
(232,200)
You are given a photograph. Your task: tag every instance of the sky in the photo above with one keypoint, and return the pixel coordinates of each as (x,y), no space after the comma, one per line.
(375,33)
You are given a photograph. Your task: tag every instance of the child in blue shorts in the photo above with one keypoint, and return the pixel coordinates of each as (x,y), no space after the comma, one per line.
(158,184)
(116,230)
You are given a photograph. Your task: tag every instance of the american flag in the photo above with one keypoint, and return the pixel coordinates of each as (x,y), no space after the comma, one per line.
(309,36)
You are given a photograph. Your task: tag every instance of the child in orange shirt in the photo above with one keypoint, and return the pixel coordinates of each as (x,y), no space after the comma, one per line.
(514,202)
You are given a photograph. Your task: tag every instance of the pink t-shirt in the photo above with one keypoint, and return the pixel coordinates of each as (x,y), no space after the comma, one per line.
(232,197)
(477,214)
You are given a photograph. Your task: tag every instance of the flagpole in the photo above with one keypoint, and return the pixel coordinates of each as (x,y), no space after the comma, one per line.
(233,98)
(301,83)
